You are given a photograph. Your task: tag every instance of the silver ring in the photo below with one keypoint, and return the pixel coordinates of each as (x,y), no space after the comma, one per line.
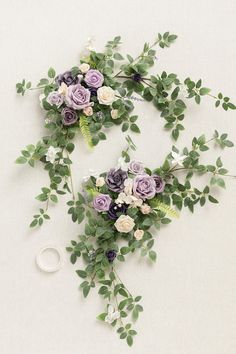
(49,268)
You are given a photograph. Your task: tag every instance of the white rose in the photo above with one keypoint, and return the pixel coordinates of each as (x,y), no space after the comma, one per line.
(145,209)
(105,95)
(88,111)
(114,113)
(100,181)
(84,68)
(138,234)
(128,183)
(124,224)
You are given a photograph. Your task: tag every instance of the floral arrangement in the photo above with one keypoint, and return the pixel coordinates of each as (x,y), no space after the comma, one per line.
(123,207)
(96,95)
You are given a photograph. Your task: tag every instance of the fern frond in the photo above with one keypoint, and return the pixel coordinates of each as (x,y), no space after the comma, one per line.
(165,208)
(84,127)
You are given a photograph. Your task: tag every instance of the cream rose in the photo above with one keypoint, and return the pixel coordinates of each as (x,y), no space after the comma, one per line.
(84,68)
(138,234)
(105,95)
(100,181)
(114,113)
(88,111)
(63,89)
(145,209)
(124,224)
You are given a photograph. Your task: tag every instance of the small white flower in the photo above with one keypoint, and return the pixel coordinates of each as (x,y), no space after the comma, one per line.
(145,209)
(105,95)
(138,234)
(114,113)
(112,314)
(100,181)
(177,159)
(88,111)
(122,164)
(41,97)
(84,68)
(128,183)
(51,154)
(90,173)
(63,89)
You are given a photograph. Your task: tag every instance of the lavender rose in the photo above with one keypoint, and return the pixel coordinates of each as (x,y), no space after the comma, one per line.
(55,98)
(115,209)
(144,187)
(78,97)
(94,78)
(136,167)
(67,78)
(102,202)
(69,116)
(115,179)
(160,184)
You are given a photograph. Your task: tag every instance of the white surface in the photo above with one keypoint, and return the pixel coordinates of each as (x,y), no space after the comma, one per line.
(189,295)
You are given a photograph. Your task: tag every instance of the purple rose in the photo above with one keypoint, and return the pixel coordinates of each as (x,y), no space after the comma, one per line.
(116,209)
(144,187)
(136,167)
(115,179)
(102,202)
(67,78)
(78,97)
(94,78)
(160,184)
(69,116)
(55,98)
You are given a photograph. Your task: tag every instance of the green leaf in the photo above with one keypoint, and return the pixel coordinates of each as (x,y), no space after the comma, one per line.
(53,198)
(118,56)
(81,273)
(102,316)
(219,162)
(152,255)
(220,182)
(212,199)
(86,290)
(34,223)
(204,91)
(124,250)
(134,128)
(129,340)
(125,126)
(21,160)
(51,73)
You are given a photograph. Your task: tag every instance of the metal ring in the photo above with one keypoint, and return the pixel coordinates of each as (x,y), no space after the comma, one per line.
(51,268)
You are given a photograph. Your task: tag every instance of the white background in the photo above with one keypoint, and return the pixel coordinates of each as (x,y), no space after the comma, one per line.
(189,295)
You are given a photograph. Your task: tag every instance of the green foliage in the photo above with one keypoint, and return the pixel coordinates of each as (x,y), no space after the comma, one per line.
(84,127)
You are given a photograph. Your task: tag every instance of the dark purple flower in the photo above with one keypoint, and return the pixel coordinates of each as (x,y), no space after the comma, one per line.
(69,116)
(144,187)
(137,77)
(115,179)
(116,209)
(93,91)
(160,184)
(111,255)
(102,202)
(78,97)
(67,78)
(94,78)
